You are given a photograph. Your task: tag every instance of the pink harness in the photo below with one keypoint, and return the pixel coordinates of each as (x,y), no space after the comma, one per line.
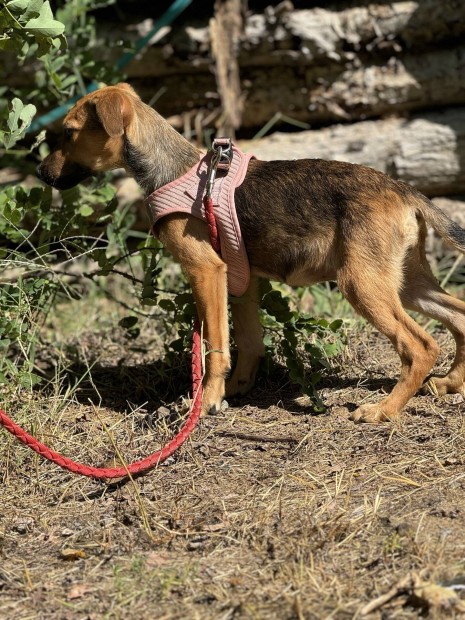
(185,195)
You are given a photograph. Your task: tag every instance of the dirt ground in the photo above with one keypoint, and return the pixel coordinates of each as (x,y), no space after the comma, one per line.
(267,512)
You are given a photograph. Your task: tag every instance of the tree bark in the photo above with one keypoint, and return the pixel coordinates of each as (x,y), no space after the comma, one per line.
(225,32)
(427,151)
(336,93)
(326,35)
(322,95)
(314,65)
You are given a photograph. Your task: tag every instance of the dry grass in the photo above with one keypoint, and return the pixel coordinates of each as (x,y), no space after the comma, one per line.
(267,512)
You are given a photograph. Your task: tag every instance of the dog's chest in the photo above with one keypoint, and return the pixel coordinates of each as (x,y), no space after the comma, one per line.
(186,194)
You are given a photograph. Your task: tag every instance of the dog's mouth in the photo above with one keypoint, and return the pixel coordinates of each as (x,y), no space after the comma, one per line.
(64,181)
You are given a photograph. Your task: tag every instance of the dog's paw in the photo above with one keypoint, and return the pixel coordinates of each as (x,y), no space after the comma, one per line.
(215,409)
(213,394)
(212,399)
(440,386)
(373,414)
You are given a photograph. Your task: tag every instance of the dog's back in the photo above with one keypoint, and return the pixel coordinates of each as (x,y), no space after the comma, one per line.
(306,215)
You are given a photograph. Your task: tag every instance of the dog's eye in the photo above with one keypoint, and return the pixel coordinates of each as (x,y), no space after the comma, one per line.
(69,133)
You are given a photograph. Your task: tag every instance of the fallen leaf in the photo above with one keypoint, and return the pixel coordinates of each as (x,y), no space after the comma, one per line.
(78,591)
(72,554)
(430,595)
(157,558)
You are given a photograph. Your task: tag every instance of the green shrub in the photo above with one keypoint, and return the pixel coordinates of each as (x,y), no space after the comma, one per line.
(39,231)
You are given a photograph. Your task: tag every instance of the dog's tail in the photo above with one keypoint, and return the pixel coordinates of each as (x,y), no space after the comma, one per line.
(446,228)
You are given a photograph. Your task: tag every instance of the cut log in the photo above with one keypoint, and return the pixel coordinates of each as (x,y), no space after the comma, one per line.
(428,152)
(337,93)
(321,95)
(322,66)
(316,65)
(282,35)
(324,35)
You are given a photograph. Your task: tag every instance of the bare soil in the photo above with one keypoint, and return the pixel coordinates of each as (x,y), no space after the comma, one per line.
(268,511)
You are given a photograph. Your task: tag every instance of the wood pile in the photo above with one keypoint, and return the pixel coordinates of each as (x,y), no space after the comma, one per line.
(373,83)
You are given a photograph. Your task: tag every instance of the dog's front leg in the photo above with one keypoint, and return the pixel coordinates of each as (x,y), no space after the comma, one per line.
(188,240)
(249,340)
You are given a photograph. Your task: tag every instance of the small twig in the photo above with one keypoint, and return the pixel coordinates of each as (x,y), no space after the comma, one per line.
(451,271)
(430,595)
(401,587)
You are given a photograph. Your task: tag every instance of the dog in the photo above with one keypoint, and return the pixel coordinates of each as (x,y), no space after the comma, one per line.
(303,221)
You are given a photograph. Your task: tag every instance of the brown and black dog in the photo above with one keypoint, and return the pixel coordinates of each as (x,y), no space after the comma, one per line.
(303,222)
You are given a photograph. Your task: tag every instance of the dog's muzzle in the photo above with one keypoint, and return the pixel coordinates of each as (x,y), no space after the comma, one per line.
(63,181)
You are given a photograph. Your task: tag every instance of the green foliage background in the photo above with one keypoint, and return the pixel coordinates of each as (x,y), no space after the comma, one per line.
(38,230)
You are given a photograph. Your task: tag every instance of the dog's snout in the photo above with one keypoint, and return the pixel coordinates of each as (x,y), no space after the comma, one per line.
(59,172)
(64,177)
(44,175)
(39,172)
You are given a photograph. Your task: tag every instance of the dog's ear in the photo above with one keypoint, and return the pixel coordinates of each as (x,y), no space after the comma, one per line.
(125,86)
(115,112)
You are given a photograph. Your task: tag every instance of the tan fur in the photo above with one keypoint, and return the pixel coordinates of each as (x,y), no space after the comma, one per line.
(303,222)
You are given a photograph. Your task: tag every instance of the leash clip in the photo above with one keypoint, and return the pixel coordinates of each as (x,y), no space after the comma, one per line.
(224,147)
(221,160)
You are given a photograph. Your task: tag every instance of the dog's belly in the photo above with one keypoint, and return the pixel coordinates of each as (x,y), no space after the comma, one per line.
(299,277)
(301,262)
(305,277)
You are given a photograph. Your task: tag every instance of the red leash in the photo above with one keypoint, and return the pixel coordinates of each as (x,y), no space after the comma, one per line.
(139,466)
(194,414)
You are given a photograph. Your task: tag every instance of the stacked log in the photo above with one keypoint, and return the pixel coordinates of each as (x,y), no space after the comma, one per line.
(320,66)
(401,64)
(427,151)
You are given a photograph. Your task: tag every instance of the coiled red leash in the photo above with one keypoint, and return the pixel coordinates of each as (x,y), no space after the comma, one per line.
(196,408)
(139,466)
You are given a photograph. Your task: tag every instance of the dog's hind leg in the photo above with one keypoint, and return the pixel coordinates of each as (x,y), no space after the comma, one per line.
(249,340)
(376,298)
(423,294)
(188,240)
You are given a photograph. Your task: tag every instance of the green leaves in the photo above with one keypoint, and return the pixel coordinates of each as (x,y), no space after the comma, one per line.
(35,231)
(44,25)
(129,323)
(18,120)
(85,210)
(24,23)
(26,27)
(21,302)
(15,204)
(33,16)
(39,229)
(303,342)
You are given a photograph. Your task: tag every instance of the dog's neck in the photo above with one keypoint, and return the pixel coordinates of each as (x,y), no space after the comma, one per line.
(154,152)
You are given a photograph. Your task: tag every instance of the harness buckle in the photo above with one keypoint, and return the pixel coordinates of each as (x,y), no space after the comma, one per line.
(224,147)
(221,160)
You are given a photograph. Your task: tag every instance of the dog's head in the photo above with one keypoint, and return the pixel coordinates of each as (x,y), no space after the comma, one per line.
(93,137)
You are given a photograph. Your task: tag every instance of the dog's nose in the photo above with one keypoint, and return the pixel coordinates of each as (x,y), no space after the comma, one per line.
(44,176)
